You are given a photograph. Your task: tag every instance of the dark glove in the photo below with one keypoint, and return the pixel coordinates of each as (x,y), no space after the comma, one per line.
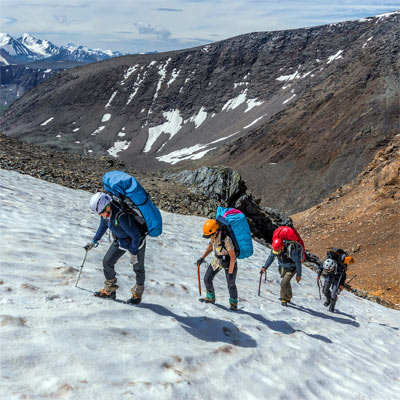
(90,245)
(134,259)
(200,261)
(341,287)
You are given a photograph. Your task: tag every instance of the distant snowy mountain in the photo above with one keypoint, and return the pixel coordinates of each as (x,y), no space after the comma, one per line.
(39,47)
(27,49)
(12,51)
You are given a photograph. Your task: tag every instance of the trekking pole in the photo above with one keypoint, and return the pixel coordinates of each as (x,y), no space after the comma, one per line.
(198,277)
(259,285)
(319,288)
(338,284)
(351,279)
(80,268)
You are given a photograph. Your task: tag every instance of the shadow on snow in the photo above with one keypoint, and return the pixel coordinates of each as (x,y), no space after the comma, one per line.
(205,328)
(278,326)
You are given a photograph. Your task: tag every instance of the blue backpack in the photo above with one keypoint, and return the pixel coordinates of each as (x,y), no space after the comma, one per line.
(130,196)
(238,230)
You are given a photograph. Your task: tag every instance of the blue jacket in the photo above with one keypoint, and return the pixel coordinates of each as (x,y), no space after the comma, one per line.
(124,229)
(289,257)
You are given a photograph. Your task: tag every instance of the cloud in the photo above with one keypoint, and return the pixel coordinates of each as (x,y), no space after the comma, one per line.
(169,9)
(7,20)
(157,31)
(61,19)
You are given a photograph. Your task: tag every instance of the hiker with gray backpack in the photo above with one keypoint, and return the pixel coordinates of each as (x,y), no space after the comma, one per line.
(334,269)
(129,214)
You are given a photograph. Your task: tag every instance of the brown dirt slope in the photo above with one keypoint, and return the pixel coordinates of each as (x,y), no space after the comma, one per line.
(363,218)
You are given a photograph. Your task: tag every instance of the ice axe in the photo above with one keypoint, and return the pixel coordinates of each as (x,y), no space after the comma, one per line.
(198,278)
(81,267)
(259,285)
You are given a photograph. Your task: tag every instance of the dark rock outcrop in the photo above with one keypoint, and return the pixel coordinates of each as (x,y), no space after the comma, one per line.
(225,187)
(222,184)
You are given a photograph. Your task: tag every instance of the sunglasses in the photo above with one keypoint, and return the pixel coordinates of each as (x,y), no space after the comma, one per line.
(104,210)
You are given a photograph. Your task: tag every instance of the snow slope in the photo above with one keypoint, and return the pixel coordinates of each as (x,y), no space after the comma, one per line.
(58,341)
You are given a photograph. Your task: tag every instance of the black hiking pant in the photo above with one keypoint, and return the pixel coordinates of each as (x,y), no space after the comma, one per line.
(230,280)
(114,253)
(330,288)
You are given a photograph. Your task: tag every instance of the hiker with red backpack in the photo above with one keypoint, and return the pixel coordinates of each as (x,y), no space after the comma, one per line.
(334,269)
(288,249)
(230,239)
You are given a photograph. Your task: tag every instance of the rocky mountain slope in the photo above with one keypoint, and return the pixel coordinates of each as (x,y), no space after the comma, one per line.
(298,113)
(363,218)
(15,80)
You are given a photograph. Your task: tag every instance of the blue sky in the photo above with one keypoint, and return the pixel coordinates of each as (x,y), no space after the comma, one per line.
(135,25)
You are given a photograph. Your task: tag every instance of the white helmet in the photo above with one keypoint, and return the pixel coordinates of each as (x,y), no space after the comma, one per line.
(99,202)
(329,265)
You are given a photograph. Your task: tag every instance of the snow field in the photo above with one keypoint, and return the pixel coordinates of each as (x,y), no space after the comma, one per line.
(58,341)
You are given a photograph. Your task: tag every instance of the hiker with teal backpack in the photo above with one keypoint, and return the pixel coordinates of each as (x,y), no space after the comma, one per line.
(230,239)
(130,215)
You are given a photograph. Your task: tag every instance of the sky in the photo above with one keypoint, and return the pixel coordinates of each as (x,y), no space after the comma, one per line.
(156,25)
(58,341)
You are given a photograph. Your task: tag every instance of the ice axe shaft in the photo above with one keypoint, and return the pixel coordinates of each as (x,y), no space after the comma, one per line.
(259,285)
(319,289)
(80,269)
(198,278)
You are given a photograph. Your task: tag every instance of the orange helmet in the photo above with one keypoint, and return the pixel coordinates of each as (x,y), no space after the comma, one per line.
(210,227)
(277,245)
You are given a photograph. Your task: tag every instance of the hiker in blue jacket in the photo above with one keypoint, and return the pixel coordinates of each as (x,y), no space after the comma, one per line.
(127,237)
(289,255)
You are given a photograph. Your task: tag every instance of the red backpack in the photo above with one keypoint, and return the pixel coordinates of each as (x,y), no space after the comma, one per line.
(288,233)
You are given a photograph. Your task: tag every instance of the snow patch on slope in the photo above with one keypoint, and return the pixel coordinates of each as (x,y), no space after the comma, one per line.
(118,147)
(335,56)
(171,126)
(128,73)
(199,118)
(46,122)
(111,99)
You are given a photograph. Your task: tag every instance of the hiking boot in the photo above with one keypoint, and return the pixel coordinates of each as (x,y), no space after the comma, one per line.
(137,293)
(284,302)
(233,304)
(210,298)
(134,299)
(106,294)
(332,306)
(327,302)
